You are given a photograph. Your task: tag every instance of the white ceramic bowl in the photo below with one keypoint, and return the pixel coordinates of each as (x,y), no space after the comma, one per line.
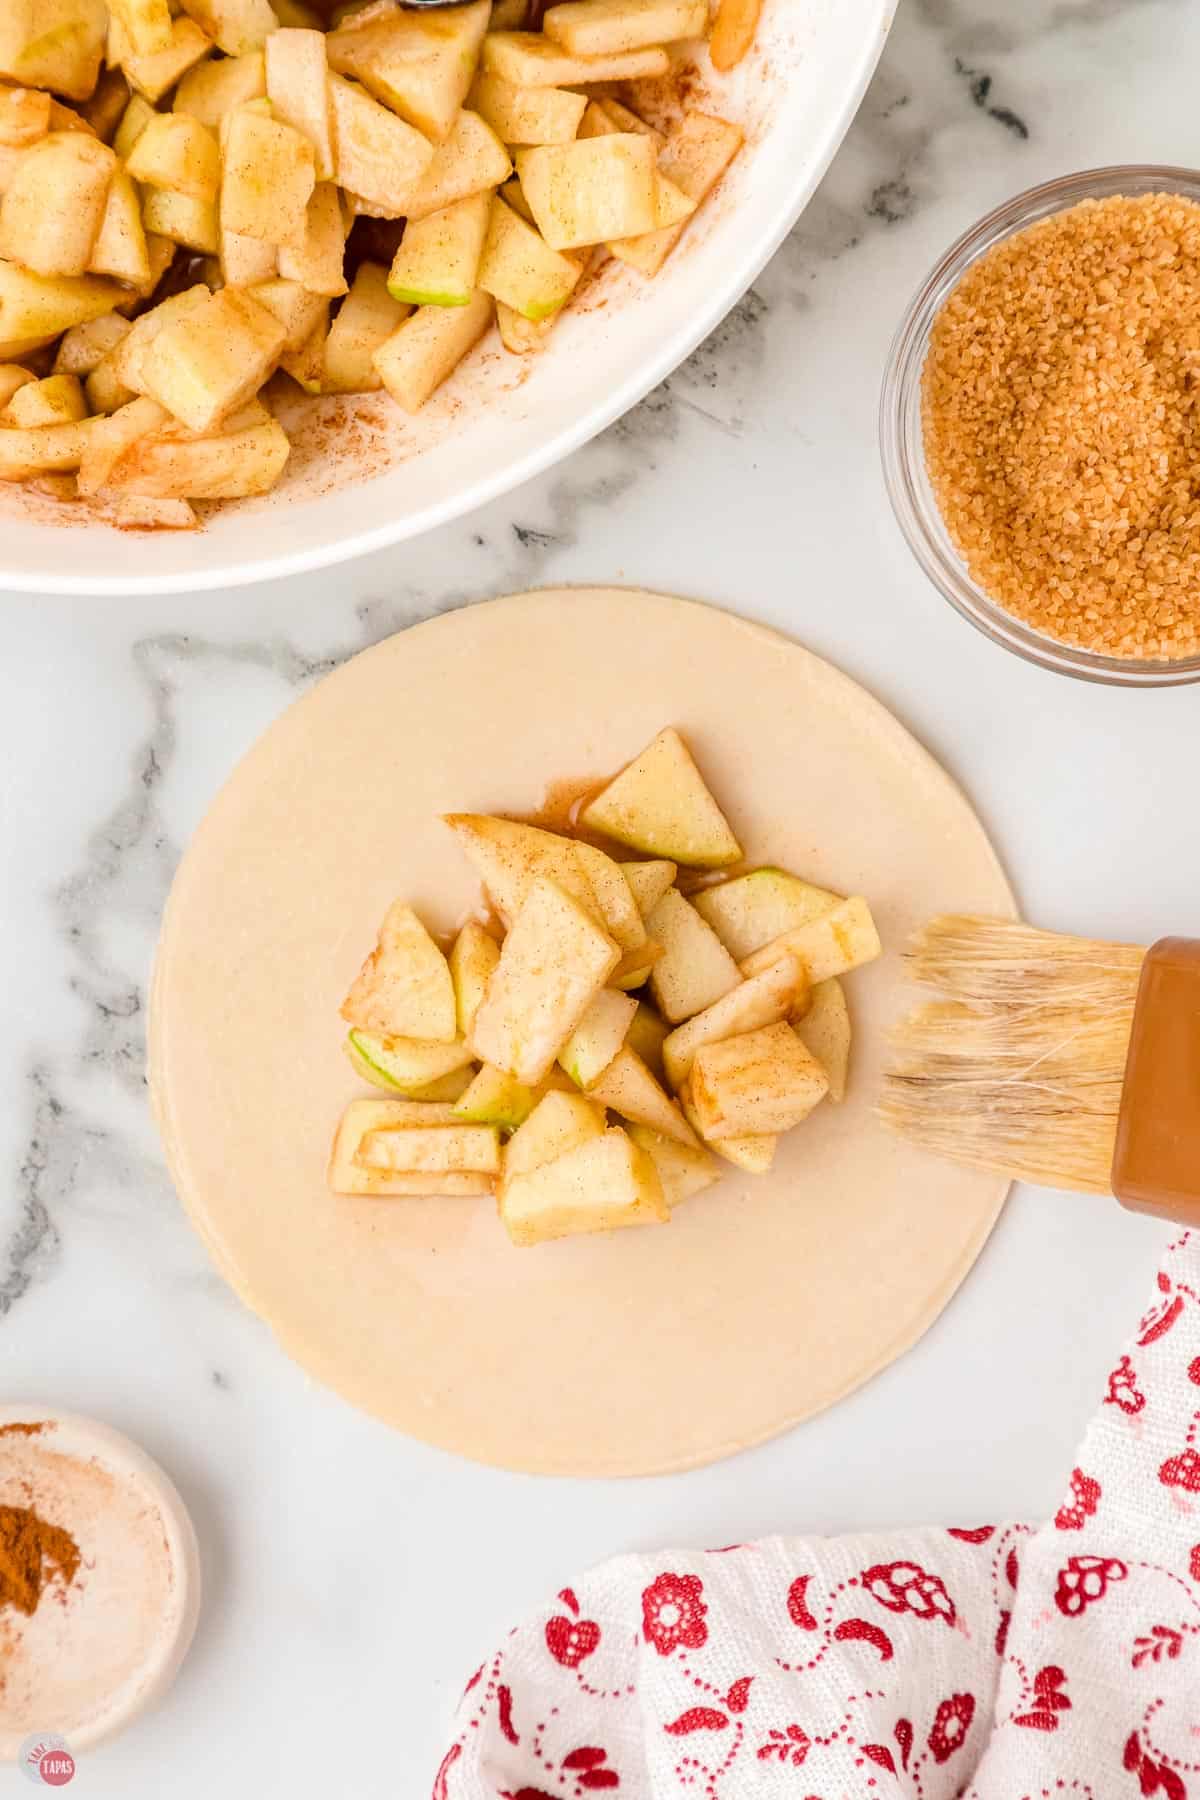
(358,482)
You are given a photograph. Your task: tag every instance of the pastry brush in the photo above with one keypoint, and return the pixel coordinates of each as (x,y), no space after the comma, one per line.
(1055,1060)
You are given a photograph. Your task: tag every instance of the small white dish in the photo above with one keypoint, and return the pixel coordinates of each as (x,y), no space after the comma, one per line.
(97,1653)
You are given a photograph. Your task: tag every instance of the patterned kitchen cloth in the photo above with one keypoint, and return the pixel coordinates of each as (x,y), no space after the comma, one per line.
(998,1662)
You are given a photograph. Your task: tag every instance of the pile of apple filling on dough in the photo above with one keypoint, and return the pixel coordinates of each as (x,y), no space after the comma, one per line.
(512,1052)
(187,191)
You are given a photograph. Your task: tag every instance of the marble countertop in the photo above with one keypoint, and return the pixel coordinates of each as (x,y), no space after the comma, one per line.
(354,1579)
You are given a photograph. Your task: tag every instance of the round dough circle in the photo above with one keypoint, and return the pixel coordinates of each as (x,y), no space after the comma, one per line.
(769,1297)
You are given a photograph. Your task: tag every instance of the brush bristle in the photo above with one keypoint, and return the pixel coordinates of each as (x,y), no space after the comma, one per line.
(1020,1068)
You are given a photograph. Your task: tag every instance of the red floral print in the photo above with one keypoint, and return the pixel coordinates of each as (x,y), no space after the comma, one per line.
(792,1745)
(799,1611)
(1074,1513)
(1048,1700)
(1123,1389)
(1182,1471)
(571,1641)
(951,1726)
(673,1613)
(1084,1581)
(1194,1563)
(1161,1318)
(907,1587)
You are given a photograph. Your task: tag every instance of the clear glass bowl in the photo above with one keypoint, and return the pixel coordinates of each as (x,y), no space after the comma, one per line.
(903,451)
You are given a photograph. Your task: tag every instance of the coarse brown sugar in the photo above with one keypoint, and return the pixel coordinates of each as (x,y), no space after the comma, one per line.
(1062,439)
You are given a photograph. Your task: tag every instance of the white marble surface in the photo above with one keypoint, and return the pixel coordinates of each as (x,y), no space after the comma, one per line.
(354,1579)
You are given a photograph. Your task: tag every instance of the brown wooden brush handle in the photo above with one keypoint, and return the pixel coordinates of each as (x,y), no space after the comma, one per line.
(1156,1162)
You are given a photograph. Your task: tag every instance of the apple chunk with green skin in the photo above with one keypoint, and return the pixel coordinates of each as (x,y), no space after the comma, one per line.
(437,264)
(695,968)
(496,1098)
(763,1000)
(840,940)
(347,1175)
(591,190)
(628,1087)
(825,1032)
(519,268)
(683,1171)
(410,1066)
(753,1154)
(598,1036)
(428,347)
(553,963)
(659,804)
(761,1083)
(404,988)
(749,911)
(474,955)
(603,1185)
(558,1124)
(649,881)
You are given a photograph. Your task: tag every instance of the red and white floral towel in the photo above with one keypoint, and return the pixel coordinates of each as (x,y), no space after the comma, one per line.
(996,1663)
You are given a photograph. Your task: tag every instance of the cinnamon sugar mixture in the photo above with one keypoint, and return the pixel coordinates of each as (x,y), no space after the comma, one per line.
(1061,430)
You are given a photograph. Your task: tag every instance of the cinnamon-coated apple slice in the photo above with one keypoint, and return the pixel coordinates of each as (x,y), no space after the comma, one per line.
(695,968)
(682,1169)
(598,1036)
(761,1082)
(628,1087)
(749,911)
(660,804)
(763,1000)
(825,1032)
(473,956)
(603,1185)
(404,988)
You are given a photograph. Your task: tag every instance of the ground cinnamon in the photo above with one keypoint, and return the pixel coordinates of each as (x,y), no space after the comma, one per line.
(32,1553)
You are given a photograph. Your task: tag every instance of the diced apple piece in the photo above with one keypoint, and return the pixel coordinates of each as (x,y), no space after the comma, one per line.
(437,263)
(298,311)
(649,881)
(244,261)
(377,154)
(52,210)
(407,1065)
(521,335)
(558,1124)
(497,1098)
(146,23)
(154,75)
(758,1084)
(12,378)
(659,803)
(601,1186)
(693,160)
(683,1169)
(129,355)
(106,392)
(58,400)
(213,89)
(55,44)
(525,115)
(695,968)
(84,347)
(646,1035)
(520,268)
(628,1087)
(348,1176)
(748,912)
(120,247)
(553,963)
(177,151)
(473,959)
(110,438)
(608,27)
(45,450)
(832,944)
(825,1032)
(298,89)
(306,366)
(429,346)
(763,1000)
(511,193)
(418,63)
(733,32)
(172,464)
(635,966)
(268,176)
(754,1154)
(471,161)
(433,1150)
(192,223)
(592,190)
(509,15)
(621,118)
(235,26)
(39,307)
(103,110)
(134,120)
(202,368)
(527,59)
(614,896)
(317,264)
(509,857)
(133,512)
(367,318)
(404,987)
(598,1036)
(24,116)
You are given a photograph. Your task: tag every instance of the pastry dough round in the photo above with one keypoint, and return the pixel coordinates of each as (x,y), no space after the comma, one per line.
(768,1297)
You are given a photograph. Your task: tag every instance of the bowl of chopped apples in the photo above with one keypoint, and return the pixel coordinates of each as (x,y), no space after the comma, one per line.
(278,286)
